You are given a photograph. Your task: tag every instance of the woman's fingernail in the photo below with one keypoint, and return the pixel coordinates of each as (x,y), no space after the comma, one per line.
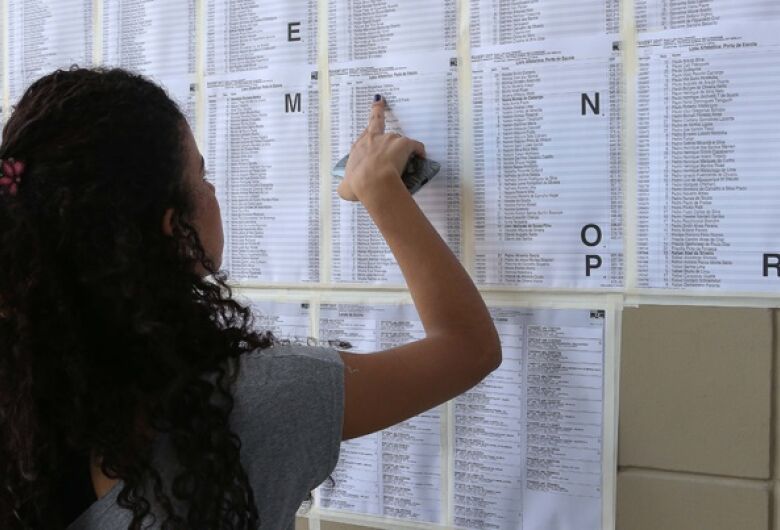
(378,97)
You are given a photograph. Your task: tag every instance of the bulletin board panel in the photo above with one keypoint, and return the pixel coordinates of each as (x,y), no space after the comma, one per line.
(595,154)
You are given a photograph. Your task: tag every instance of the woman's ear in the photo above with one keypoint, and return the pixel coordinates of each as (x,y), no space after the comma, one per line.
(167,222)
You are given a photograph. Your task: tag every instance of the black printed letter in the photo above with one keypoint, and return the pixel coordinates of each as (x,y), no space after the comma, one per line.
(584,235)
(592,261)
(292,105)
(774,265)
(293,31)
(586,102)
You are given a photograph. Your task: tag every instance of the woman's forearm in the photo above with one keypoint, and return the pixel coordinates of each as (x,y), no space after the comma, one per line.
(447,301)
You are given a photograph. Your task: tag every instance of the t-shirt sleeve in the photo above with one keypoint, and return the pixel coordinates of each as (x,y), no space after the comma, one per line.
(288,412)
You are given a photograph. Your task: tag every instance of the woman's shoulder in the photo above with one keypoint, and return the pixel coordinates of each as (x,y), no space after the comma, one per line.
(286,360)
(289,405)
(282,349)
(289,370)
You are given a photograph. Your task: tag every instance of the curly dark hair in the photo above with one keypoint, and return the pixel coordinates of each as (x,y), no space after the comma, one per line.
(105,325)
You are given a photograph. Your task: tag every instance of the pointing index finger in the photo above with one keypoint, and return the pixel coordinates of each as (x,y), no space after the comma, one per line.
(376,122)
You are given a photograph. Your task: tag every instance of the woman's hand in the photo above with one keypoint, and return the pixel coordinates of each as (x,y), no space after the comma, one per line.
(376,159)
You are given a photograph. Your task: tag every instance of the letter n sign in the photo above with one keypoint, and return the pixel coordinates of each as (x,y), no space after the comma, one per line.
(594,103)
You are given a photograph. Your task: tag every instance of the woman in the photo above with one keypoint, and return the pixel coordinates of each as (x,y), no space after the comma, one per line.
(133,388)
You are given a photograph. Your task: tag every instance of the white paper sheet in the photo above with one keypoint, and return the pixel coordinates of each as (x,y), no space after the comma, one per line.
(288,321)
(495,22)
(150,37)
(156,39)
(256,35)
(44,35)
(708,149)
(422,97)
(654,15)
(528,442)
(395,472)
(360,30)
(547,174)
(262,153)
(404,51)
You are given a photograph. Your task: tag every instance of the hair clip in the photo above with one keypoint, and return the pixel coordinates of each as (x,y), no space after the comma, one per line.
(11,175)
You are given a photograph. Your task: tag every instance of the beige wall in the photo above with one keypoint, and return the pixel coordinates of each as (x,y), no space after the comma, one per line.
(698,426)
(697,445)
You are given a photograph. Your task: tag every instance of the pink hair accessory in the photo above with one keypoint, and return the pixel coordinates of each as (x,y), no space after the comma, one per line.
(11,175)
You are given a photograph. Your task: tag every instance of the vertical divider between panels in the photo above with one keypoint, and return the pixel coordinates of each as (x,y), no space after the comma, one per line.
(97,32)
(466,176)
(448,462)
(326,179)
(325,261)
(314,518)
(4,60)
(611,377)
(314,329)
(628,46)
(466,135)
(200,73)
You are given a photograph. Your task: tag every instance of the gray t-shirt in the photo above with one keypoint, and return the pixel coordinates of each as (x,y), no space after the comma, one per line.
(289,406)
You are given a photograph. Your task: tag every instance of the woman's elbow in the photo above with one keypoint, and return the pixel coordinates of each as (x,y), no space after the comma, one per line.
(493,352)
(489,354)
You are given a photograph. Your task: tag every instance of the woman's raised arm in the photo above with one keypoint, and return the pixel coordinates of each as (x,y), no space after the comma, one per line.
(461,345)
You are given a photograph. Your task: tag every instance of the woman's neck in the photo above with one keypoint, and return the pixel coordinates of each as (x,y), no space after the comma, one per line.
(100,482)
